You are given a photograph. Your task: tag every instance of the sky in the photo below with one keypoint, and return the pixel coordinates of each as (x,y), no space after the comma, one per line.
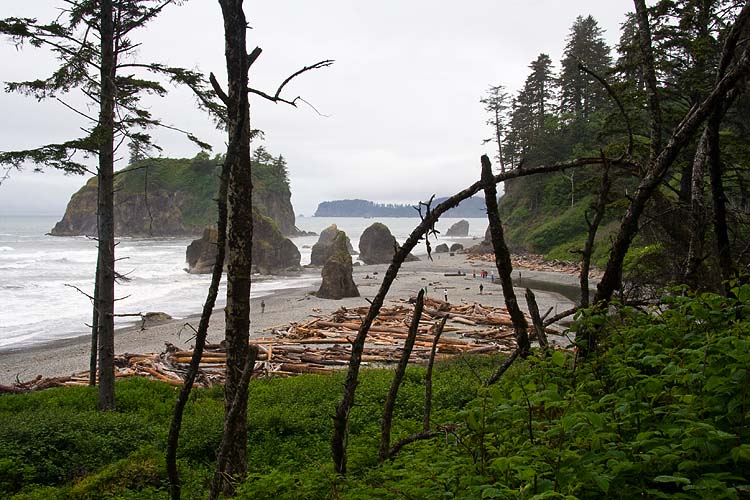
(400,117)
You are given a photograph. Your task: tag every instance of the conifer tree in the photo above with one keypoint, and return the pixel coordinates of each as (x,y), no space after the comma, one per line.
(580,94)
(97,57)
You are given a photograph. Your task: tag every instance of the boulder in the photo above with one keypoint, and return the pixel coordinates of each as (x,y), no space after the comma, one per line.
(323,249)
(460,228)
(272,252)
(378,246)
(441,248)
(456,247)
(201,253)
(337,271)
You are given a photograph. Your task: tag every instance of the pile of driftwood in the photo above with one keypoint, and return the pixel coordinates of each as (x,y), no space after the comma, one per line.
(323,344)
(532,263)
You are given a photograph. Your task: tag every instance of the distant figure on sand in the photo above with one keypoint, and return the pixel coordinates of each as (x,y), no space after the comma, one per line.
(262,306)
(481,288)
(445,292)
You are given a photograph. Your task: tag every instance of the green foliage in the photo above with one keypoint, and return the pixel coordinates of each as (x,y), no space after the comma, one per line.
(660,412)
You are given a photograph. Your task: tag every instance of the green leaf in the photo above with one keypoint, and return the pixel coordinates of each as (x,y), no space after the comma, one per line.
(672,479)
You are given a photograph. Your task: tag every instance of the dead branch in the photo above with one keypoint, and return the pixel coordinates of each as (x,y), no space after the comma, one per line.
(390,402)
(276,97)
(428,377)
(536,319)
(502,258)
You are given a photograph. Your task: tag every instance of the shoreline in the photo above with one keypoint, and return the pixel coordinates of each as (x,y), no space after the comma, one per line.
(66,356)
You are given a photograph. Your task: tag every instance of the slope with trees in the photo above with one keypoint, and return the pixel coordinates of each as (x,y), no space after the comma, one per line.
(175,197)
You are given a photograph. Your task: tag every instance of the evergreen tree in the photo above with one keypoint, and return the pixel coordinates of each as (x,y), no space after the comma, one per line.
(580,94)
(496,104)
(92,43)
(279,165)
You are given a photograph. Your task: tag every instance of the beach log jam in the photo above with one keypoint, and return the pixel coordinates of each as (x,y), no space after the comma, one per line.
(322,344)
(535,263)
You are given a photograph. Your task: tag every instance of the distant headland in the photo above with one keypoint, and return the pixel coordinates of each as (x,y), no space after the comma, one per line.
(472,207)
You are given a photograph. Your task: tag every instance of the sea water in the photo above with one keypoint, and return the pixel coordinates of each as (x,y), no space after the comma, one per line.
(45,280)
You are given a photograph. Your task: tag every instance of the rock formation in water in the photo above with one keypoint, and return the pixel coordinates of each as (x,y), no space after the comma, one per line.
(456,247)
(272,252)
(460,228)
(441,248)
(337,271)
(322,250)
(174,197)
(378,246)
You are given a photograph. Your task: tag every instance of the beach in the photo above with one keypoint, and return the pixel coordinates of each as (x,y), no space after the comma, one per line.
(65,357)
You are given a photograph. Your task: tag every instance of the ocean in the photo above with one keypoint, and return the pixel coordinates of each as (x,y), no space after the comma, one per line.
(42,277)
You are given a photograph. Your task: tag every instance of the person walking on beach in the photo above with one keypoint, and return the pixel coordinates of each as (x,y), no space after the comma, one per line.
(492,276)
(445,292)
(481,288)
(262,306)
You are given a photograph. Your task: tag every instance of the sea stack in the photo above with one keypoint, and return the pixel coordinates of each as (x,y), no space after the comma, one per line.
(378,246)
(460,228)
(322,250)
(272,252)
(337,271)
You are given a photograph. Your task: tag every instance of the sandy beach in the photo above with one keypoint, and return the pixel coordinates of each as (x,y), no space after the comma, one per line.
(65,357)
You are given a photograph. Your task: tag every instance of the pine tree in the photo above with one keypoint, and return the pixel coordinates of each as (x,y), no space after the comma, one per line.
(92,42)
(496,105)
(580,94)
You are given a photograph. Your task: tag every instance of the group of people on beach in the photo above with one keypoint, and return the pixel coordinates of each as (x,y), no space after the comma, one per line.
(483,274)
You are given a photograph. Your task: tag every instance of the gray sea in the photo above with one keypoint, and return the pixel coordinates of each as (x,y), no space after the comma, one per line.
(40,275)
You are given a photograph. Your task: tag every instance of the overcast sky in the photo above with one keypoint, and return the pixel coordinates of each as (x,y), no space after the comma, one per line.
(403,119)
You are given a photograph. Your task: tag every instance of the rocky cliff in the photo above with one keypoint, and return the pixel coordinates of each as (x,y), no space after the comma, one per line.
(173,197)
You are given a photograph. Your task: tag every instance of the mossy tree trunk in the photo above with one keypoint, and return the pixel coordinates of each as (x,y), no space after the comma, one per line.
(239,235)
(105,287)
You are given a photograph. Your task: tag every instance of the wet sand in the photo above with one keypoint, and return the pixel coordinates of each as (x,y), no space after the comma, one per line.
(69,356)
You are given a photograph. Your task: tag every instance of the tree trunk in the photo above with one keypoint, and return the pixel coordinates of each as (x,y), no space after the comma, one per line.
(105,300)
(428,376)
(200,341)
(720,209)
(655,172)
(536,318)
(341,417)
(390,402)
(239,233)
(94,329)
(502,259)
(593,227)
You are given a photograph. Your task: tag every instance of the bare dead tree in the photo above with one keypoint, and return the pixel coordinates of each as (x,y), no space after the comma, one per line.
(341,417)
(390,402)
(599,208)
(503,367)
(502,259)
(428,376)
(200,341)
(536,319)
(224,481)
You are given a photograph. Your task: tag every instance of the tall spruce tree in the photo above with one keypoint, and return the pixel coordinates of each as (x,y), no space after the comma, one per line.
(97,57)
(580,93)
(496,105)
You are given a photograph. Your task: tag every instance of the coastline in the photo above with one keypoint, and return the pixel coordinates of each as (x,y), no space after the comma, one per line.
(64,357)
